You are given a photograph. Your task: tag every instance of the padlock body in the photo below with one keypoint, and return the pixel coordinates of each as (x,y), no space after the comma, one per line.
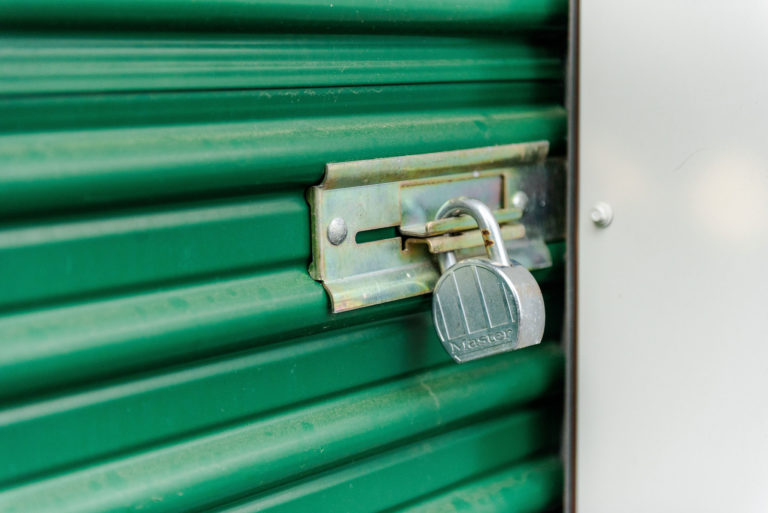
(481,309)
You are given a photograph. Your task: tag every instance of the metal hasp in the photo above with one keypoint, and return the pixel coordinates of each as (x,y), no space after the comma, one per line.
(485,306)
(385,209)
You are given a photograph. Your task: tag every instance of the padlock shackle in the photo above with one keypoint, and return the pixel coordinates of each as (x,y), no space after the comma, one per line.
(494,243)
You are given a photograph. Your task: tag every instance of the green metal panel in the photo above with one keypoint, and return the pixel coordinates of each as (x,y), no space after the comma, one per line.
(253,455)
(162,346)
(72,257)
(315,15)
(45,64)
(87,167)
(437,463)
(46,112)
(531,486)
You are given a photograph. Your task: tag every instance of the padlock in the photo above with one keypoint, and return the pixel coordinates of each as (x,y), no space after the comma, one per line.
(485,306)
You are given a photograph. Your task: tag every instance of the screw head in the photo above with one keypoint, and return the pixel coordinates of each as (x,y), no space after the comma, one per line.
(601,214)
(337,231)
(520,200)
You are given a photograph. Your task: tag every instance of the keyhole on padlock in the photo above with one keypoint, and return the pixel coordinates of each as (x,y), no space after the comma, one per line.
(485,306)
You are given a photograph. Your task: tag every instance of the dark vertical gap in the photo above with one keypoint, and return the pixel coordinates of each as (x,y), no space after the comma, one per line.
(570,341)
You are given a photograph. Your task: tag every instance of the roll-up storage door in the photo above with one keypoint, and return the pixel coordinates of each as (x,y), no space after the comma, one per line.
(162,345)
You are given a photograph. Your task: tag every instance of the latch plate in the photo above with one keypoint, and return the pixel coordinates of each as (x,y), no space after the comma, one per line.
(405,193)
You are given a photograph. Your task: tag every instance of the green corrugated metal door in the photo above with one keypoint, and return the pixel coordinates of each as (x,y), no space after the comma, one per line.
(162,346)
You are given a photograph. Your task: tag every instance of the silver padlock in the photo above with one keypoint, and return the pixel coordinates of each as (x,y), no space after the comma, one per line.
(485,306)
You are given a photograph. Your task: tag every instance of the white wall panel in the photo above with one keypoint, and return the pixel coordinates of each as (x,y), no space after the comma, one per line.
(672,356)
